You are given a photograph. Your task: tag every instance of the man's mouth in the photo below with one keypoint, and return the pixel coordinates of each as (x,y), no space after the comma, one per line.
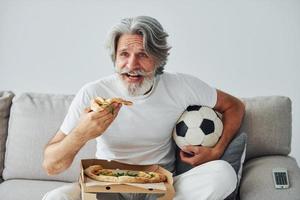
(133,76)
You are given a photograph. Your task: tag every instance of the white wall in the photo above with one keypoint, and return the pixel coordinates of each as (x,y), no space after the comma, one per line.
(245,47)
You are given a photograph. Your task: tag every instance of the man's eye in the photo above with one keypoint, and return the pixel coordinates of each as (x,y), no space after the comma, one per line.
(143,55)
(125,54)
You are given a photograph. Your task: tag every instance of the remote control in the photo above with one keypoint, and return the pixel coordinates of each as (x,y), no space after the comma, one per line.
(280,177)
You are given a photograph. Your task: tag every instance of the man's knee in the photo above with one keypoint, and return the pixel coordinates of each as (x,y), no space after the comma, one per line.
(56,195)
(67,192)
(221,165)
(212,180)
(225,177)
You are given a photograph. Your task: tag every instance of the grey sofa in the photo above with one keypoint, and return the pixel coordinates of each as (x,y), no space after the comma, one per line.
(28,121)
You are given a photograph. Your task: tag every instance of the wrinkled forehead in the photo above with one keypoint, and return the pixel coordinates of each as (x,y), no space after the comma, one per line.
(128,41)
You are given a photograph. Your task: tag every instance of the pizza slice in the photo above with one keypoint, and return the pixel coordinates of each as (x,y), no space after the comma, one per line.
(97,172)
(98,104)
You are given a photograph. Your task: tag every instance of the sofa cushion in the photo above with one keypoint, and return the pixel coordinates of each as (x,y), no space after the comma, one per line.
(26,189)
(5,103)
(235,155)
(268,124)
(235,152)
(258,182)
(34,120)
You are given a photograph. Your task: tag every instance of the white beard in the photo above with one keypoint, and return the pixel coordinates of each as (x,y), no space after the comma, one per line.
(137,89)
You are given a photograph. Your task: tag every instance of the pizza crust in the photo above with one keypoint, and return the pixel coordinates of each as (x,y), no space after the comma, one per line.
(97,172)
(98,104)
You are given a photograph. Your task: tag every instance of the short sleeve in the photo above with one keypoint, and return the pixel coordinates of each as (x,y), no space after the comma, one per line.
(79,103)
(197,92)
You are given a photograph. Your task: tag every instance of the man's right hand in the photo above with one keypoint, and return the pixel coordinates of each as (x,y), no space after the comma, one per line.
(93,124)
(61,150)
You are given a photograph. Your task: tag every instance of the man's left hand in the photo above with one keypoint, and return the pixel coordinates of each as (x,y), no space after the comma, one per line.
(197,155)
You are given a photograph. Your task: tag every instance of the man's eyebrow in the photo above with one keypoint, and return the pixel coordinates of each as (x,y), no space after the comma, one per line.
(125,49)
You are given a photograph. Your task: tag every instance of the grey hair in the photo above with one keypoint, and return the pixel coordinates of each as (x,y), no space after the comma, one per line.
(154,38)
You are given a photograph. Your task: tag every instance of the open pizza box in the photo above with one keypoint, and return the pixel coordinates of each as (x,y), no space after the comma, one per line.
(90,187)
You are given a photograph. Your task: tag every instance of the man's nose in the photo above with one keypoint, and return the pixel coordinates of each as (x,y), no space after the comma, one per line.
(133,63)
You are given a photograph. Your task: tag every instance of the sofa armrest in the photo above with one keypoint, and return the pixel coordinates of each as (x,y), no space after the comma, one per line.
(257,181)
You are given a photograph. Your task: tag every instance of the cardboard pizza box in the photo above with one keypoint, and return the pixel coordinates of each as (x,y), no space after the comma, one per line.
(89,187)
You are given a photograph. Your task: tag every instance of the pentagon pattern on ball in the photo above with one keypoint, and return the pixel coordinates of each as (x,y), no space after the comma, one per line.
(181,128)
(193,108)
(207,126)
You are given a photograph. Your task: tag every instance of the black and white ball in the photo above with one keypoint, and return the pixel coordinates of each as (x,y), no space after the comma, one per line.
(198,125)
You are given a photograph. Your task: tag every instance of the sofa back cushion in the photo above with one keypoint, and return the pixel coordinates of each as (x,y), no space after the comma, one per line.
(5,103)
(34,120)
(268,125)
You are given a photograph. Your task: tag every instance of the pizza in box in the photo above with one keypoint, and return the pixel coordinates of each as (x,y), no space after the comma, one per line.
(98,173)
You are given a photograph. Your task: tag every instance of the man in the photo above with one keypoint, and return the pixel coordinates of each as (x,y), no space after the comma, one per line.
(141,133)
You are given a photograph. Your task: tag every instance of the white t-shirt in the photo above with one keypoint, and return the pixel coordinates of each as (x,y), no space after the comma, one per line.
(142,133)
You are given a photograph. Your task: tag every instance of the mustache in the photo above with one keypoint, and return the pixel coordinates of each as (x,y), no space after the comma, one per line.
(139,72)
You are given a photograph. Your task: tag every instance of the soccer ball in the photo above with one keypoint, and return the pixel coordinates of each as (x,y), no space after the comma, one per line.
(198,125)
